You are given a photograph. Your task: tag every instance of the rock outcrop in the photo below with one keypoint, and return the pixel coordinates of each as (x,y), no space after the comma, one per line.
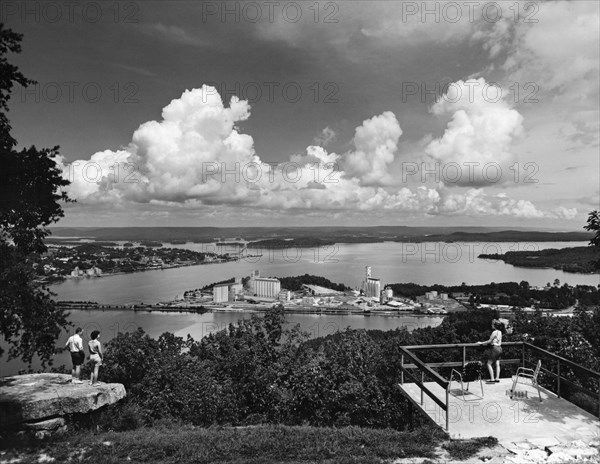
(33,401)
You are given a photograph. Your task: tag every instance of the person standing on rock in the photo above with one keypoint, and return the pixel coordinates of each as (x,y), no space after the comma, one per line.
(75,345)
(95,355)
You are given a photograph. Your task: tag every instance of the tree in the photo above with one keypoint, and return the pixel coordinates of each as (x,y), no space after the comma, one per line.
(9,76)
(593,224)
(30,190)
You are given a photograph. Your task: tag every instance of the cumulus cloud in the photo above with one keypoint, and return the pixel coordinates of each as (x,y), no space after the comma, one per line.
(479,135)
(170,160)
(195,157)
(475,202)
(376,142)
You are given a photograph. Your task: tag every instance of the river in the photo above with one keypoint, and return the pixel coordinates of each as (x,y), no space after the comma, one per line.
(422,263)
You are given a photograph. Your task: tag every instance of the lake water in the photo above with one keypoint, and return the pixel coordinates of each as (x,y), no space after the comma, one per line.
(110,323)
(423,263)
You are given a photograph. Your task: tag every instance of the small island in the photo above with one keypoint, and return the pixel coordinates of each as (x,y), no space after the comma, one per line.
(300,242)
(585,259)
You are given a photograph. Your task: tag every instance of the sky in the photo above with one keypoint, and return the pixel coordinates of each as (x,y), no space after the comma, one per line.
(187,113)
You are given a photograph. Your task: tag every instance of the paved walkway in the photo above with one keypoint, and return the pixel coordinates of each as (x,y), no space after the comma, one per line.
(552,421)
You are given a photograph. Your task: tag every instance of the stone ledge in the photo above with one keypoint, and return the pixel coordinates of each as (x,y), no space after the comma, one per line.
(35,397)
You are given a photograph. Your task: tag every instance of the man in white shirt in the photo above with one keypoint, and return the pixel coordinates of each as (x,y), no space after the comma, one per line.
(75,345)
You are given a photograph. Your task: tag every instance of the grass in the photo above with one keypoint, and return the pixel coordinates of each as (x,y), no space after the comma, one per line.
(464,449)
(264,444)
(267,444)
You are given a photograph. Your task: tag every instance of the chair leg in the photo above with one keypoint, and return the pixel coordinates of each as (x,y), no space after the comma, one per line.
(539,394)
(481,385)
(514,385)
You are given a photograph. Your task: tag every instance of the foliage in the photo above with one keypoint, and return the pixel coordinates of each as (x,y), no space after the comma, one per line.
(30,183)
(9,76)
(514,294)
(210,286)
(259,371)
(29,320)
(30,191)
(570,259)
(295,283)
(593,224)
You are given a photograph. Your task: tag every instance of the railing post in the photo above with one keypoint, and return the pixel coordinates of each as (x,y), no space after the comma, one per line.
(464,356)
(523,355)
(447,409)
(558,378)
(422,383)
(402,369)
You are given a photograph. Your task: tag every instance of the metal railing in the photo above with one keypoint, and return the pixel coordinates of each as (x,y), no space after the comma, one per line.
(426,368)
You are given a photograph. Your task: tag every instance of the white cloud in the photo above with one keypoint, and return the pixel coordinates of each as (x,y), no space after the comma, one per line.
(195,158)
(475,202)
(481,131)
(555,45)
(376,142)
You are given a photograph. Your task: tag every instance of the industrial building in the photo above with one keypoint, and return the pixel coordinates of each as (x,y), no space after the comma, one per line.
(236,289)
(252,281)
(221,293)
(371,286)
(267,287)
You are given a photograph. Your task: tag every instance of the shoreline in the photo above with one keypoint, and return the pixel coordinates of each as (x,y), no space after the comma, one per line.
(259,310)
(62,279)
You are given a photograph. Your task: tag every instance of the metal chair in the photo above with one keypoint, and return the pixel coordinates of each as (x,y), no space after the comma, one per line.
(471,372)
(526,373)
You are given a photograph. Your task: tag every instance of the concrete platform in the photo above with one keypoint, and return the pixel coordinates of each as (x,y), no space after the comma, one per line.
(552,421)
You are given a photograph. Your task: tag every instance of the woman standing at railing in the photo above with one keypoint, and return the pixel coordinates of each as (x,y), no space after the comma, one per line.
(495,351)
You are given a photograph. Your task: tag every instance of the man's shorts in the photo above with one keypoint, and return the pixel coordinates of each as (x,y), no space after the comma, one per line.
(77,357)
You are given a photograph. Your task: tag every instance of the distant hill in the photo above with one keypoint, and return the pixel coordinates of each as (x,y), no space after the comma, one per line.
(318,234)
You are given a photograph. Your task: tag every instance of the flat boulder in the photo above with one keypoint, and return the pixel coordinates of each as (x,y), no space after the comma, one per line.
(37,397)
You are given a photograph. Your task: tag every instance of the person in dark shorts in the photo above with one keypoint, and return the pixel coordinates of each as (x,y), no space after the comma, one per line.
(75,345)
(495,351)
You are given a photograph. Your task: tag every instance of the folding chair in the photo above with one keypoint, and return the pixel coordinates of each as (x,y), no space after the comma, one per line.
(526,373)
(470,373)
